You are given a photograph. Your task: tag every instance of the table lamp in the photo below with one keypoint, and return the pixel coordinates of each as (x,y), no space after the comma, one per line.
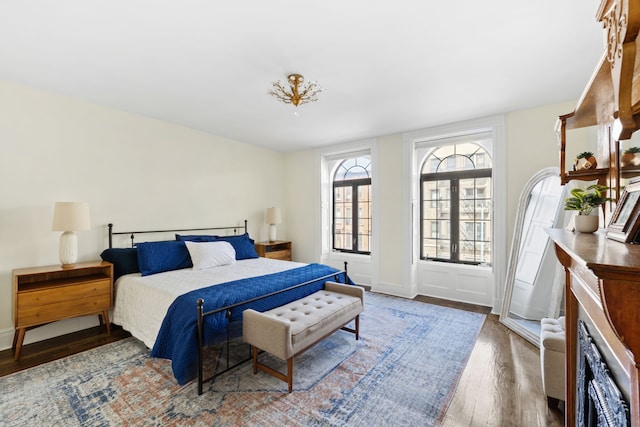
(273,216)
(70,217)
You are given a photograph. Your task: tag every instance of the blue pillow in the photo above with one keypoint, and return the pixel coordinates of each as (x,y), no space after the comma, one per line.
(196,238)
(243,245)
(124,260)
(156,257)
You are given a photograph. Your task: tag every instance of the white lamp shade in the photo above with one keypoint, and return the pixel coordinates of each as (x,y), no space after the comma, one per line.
(273,216)
(71,216)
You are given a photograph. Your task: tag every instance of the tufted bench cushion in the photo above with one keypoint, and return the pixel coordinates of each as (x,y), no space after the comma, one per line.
(288,330)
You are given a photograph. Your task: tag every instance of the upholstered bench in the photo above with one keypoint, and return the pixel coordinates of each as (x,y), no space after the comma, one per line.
(289,330)
(552,359)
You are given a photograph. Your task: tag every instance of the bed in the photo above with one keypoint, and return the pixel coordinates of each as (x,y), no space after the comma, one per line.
(183,294)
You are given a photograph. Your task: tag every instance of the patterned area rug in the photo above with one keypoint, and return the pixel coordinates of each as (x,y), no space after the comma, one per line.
(403,371)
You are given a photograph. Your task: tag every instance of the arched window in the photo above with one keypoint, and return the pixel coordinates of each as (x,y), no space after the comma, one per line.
(352,205)
(456,208)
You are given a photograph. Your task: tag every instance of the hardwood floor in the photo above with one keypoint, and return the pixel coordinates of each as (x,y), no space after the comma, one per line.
(501,385)
(56,348)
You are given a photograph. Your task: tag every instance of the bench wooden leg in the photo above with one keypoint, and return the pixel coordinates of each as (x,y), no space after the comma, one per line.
(290,373)
(254,353)
(288,378)
(357,327)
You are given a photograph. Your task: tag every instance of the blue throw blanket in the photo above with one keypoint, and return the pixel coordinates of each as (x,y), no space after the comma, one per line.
(178,336)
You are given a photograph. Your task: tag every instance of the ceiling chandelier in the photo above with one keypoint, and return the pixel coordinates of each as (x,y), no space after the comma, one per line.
(296,92)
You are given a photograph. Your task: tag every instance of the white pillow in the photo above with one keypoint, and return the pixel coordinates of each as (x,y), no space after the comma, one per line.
(210,254)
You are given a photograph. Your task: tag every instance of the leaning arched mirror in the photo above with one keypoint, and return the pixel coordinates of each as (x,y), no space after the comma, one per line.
(535,280)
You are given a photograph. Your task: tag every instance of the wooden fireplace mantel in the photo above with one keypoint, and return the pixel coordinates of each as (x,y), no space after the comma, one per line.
(603,276)
(602,281)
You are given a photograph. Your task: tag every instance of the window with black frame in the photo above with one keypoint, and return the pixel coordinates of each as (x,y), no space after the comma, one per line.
(456,208)
(352,206)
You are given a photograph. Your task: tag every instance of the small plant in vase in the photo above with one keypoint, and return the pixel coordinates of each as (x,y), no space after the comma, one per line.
(631,157)
(585,160)
(585,201)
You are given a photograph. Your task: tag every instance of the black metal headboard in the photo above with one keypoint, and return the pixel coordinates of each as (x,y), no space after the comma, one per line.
(132,234)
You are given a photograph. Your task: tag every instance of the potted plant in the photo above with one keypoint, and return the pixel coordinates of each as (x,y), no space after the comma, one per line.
(630,157)
(585,201)
(585,160)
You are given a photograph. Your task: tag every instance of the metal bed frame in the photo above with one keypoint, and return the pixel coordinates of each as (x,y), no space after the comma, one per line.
(228,310)
(133,233)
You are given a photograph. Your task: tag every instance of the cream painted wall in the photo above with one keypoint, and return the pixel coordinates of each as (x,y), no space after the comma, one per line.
(390,212)
(133,171)
(532,145)
(302,194)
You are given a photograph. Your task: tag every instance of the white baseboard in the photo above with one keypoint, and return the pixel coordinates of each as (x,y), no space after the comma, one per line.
(49,331)
(393,289)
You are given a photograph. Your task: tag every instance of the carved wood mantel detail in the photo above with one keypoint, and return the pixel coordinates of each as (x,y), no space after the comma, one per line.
(611,100)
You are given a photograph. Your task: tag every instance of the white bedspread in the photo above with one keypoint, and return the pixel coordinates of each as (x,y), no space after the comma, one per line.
(142,302)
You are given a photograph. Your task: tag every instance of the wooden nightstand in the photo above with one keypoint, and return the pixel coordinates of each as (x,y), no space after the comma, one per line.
(279,249)
(46,294)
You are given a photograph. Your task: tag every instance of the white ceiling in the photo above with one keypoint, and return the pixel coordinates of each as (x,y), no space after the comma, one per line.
(386,66)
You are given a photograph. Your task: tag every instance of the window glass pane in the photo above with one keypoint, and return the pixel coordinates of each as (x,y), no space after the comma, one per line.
(443,209)
(475,217)
(364,217)
(354,168)
(443,248)
(436,248)
(467,252)
(347,194)
(468,208)
(430,199)
(483,252)
(341,237)
(429,248)
(343,241)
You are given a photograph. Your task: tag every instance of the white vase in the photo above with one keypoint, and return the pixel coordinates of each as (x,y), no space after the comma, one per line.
(586,223)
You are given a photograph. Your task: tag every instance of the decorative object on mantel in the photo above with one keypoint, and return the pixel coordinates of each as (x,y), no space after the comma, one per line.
(585,161)
(297,92)
(69,217)
(631,157)
(273,216)
(625,221)
(585,201)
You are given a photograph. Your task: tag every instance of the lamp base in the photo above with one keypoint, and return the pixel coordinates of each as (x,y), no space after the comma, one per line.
(68,249)
(272,232)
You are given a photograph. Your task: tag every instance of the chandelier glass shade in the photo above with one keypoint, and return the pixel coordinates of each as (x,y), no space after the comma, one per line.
(295,91)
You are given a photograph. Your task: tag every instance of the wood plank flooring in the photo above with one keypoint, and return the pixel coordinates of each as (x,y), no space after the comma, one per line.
(56,348)
(500,387)
(502,383)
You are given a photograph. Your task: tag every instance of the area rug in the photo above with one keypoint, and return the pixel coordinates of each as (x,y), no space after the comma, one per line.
(402,371)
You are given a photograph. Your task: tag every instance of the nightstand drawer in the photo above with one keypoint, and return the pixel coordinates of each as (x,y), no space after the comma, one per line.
(44,313)
(284,254)
(279,249)
(60,294)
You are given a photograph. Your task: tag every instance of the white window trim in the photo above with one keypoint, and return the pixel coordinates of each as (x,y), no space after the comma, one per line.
(494,124)
(327,160)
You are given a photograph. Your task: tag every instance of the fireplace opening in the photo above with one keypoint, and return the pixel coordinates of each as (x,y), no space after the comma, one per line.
(599,401)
